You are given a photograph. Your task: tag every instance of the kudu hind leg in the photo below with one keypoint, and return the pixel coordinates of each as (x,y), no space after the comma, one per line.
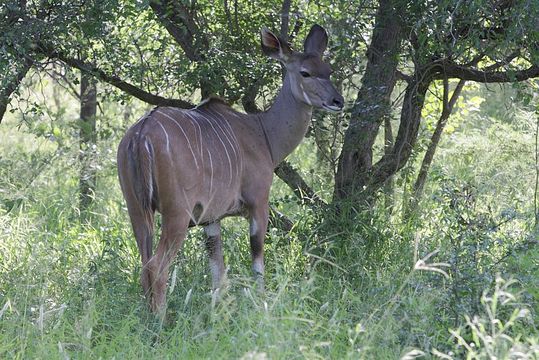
(258,225)
(214,246)
(173,233)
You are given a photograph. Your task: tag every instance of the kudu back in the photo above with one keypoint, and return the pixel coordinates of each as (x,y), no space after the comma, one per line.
(200,165)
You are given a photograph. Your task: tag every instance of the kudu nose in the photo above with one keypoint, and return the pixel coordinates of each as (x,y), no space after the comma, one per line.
(338,102)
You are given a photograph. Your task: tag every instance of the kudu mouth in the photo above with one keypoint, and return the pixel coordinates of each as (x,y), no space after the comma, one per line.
(336,105)
(332,108)
(335,101)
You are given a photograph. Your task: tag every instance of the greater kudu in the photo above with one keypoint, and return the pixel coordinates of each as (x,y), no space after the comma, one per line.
(198,166)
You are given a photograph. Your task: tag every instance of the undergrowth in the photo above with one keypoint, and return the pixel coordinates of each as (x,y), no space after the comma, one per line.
(375,287)
(71,290)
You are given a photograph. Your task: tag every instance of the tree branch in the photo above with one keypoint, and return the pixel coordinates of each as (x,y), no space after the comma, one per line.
(279,220)
(402,76)
(372,104)
(11,86)
(285,19)
(249,99)
(452,70)
(393,161)
(445,97)
(506,61)
(293,179)
(115,81)
(67,84)
(448,105)
(297,27)
(180,22)
(228,16)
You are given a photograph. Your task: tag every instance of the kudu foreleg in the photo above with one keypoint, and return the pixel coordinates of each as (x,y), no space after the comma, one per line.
(258,225)
(214,245)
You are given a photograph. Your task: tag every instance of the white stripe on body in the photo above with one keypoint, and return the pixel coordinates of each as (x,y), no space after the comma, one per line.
(144,117)
(184,134)
(229,132)
(204,101)
(166,135)
(211,174)
(212,121)
(202,146)
(197,129)
(147,145)
(222,142)
(197,125)
(217,121)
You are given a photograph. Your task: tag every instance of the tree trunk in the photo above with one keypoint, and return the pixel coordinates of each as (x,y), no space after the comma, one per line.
(419,184)
(373,103)
(393,161)
(87,141)
(389,185)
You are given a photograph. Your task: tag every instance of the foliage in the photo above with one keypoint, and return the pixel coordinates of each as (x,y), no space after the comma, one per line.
(490,335)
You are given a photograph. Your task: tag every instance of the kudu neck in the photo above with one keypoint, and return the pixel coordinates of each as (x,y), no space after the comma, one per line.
(286,122)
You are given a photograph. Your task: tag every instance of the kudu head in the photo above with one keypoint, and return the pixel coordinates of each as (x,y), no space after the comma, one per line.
(307,73)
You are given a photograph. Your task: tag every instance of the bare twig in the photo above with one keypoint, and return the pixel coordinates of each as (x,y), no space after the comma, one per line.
(506,61)
(279,220)
(228,16)
(447,108)
(65,83)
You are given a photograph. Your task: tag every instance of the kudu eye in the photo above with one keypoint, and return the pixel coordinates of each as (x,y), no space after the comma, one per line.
(305,74)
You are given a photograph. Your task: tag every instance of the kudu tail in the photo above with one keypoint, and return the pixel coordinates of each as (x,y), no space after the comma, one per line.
(140,158)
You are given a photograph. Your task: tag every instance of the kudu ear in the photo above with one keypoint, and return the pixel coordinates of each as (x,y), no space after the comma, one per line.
(317,41)
(273,46)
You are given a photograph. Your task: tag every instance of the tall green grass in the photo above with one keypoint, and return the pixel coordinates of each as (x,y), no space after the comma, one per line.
(375,287)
